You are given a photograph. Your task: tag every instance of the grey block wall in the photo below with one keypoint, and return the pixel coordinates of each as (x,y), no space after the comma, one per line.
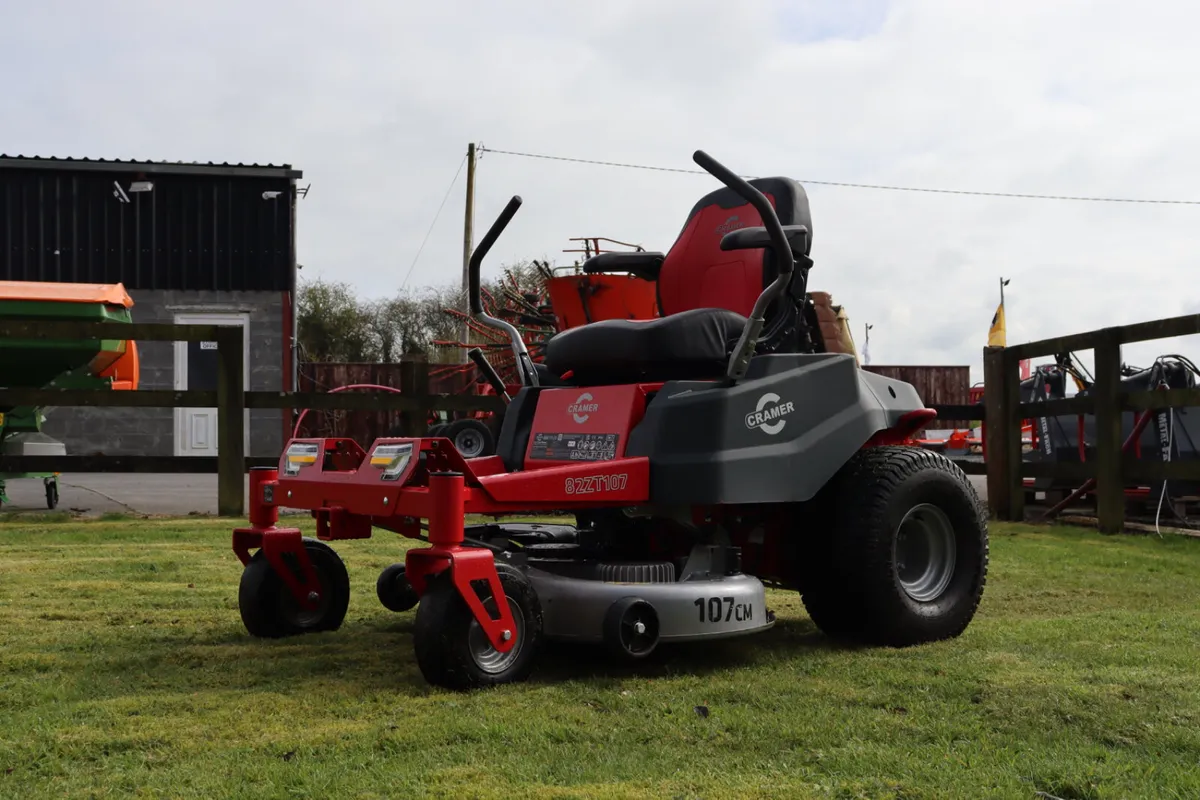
(151,431)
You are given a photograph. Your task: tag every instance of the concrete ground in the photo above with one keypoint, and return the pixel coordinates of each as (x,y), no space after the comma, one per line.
(93,494)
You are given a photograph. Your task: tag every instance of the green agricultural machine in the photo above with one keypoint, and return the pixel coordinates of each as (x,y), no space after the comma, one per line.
(39,362)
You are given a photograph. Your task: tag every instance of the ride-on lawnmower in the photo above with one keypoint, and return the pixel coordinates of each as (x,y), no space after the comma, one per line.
(700,463)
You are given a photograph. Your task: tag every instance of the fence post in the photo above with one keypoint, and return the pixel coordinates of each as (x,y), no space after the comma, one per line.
(414,382)
(1110,489)
(1016,421)
(996,422)
(231,404)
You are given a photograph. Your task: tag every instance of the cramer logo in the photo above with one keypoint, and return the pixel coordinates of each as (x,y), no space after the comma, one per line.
(730,225)
(769,413)
(582,408)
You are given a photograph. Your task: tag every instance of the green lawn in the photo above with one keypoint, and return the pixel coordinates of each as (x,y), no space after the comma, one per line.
(125,671)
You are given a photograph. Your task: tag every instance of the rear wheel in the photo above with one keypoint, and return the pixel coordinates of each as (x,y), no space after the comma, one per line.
(903,559)
(268,608)
(471,438)
(451,648)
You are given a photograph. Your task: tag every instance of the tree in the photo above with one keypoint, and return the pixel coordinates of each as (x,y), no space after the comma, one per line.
(334,324)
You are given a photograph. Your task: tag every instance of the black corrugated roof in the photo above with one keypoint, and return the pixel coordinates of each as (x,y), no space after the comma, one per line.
(157,167)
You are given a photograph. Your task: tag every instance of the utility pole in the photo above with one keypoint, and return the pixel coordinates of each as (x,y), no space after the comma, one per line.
(867,343)
(468,243)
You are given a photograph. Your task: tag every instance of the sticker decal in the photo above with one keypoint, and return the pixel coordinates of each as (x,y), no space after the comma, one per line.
(583,407)
(768,415)
(596,484)
(575,446)
(723,609)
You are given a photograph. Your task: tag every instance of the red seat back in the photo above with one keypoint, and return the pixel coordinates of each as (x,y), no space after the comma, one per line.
(696,273)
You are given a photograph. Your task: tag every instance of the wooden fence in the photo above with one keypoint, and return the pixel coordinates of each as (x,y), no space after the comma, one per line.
(1002,412)
(230,399)
(1111,468)
(366,426)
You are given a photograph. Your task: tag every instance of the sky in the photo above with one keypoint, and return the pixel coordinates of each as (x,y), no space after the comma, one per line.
(376,100)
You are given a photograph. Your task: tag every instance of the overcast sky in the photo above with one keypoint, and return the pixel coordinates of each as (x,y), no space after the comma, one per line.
(376,101)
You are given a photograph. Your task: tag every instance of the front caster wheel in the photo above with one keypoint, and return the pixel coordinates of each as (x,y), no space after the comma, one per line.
(452,649)
(394,590)
(268,608)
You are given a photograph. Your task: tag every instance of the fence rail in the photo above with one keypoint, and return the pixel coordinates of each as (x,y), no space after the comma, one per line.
(230,399)
(1001,412)
(1112,469)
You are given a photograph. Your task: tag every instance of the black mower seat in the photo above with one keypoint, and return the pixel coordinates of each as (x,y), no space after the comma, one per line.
(690,345)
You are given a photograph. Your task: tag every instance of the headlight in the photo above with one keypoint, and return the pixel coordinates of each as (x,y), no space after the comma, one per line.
(392,459)
(300,454)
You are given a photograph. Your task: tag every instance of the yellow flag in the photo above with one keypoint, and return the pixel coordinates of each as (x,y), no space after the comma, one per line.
(996,336)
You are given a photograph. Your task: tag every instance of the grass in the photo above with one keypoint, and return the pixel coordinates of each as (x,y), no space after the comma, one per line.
(125,672)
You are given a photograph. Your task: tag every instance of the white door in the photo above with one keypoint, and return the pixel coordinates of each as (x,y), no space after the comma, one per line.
(196,369)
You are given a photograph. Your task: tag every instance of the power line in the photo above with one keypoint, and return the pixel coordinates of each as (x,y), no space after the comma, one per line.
(446,197)
(847,184)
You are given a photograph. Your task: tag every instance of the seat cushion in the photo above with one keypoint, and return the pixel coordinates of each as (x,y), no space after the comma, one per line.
(689,345)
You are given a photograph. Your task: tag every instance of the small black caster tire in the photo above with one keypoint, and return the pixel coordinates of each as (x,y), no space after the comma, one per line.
(51,494)
(267,607)
(451,648)
(631,629)
(394,590)
(471,438)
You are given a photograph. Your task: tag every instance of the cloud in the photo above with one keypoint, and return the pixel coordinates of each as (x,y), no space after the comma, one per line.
(377,100)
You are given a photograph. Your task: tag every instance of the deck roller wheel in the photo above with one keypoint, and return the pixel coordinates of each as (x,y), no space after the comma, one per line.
(394,590)
(631,628)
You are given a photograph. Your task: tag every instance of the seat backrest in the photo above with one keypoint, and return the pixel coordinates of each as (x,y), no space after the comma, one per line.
(697,273)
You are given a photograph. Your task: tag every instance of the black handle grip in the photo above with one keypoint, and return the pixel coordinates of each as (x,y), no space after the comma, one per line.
(488,371)
(481,250)
(758,200)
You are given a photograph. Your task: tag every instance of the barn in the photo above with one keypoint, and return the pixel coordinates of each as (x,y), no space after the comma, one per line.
(192,243)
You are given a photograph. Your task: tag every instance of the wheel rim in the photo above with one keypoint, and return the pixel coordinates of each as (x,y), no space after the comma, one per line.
(488,658)
(469,443)
(924,553)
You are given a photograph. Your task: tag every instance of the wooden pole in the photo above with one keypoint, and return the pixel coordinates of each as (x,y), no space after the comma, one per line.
(468,245)
(231,422)
(1110,491)
(996,420)
(1012,403)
